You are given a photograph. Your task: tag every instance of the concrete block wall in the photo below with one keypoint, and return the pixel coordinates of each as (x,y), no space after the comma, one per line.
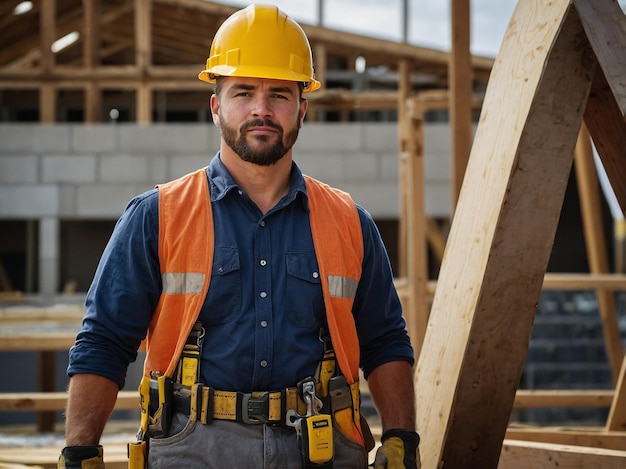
(90,172)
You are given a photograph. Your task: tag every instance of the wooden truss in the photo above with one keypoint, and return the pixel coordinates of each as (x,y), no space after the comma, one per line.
(560,62)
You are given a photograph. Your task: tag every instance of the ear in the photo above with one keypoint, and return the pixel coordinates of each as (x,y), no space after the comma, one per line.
(215,106)
(304,105)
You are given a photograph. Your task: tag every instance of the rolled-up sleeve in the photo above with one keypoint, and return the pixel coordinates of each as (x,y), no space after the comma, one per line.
(377,309)
(125,290)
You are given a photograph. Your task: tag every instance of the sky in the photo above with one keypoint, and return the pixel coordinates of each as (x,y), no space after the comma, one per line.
(428,26)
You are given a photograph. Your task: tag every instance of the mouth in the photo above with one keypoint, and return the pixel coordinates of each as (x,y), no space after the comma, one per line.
(261,130)
(260,127)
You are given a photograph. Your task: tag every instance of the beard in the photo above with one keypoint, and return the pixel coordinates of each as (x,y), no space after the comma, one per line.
(264,153)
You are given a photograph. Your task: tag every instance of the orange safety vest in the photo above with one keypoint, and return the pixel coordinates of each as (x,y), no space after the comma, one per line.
(187,259)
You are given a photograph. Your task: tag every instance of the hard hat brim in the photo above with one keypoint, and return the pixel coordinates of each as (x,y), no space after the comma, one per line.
(311,84)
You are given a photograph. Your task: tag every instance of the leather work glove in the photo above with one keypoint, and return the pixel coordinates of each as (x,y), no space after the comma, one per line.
(81,457)
(399,450)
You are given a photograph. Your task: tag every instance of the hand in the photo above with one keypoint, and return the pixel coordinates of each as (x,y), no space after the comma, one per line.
(81,457)
(399,450)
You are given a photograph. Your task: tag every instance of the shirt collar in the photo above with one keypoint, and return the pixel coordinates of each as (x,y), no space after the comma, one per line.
(221,183)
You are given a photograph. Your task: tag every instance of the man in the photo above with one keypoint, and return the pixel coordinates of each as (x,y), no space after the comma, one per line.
(259,292)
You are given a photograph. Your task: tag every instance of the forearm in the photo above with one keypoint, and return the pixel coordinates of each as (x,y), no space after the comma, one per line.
(391,389)
(90,403)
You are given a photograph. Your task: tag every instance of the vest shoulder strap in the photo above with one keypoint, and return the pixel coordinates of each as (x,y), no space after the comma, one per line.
(338,241)
(184,210)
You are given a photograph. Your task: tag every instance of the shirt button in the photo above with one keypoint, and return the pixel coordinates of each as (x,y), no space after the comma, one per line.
(263,323)
(315,275)
(263,294)
(262,223)
(240,192)
(263,262)
(263,363)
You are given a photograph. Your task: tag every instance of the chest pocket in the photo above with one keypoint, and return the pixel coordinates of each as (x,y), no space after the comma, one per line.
(224,298)
(305,301)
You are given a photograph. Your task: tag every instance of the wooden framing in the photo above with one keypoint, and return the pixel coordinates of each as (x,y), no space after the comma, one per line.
(159,45)
(483,310)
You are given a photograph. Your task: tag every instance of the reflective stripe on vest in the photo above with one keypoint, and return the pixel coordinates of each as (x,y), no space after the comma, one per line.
(343,287)
(177,283)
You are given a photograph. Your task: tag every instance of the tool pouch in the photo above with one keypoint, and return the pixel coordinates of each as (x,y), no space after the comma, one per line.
(345,404)
(341,400)
(161,406)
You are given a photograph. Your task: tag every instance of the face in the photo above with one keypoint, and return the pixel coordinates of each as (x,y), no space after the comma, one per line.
(259,118)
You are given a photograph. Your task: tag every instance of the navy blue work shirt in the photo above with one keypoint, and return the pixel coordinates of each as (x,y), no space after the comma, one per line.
(264,308)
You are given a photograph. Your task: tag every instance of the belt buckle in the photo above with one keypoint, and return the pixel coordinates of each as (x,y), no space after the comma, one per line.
(255,410)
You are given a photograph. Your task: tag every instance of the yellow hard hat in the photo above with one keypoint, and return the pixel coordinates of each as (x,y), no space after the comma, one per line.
(261,41)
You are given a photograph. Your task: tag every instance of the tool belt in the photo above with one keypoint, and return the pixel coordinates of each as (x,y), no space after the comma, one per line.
(161,396)
(204,404)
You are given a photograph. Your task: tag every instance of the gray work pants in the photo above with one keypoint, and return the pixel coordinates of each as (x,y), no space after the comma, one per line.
(230,445)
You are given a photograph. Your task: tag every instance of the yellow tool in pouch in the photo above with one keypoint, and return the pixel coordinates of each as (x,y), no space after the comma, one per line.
(189,369)
(316,432)
(325,371)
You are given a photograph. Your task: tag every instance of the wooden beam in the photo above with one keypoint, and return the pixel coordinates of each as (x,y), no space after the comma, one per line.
(93,103)
(436,239)
(91,59)
(405,129)
(501,237)
(588,437)
(605,116)
(597,253)
(91,34)
(143,34)
(47,91)
(525,398)
(143,104)
(213,8)
(7,7)
(586,282)
(525,454)
(417,267)
(605,121)
(617,414)
(48,401)
(47,103)
(46,379)
(47,29)
(460,79)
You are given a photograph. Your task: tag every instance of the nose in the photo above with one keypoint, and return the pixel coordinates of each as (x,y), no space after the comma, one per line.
(261,105)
